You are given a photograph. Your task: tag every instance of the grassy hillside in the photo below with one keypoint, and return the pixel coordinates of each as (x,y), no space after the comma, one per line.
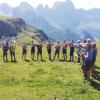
(5,18)
(16,27)
(28,80)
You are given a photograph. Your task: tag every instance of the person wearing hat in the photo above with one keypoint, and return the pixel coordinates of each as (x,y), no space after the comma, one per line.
(89,42)
(84,43)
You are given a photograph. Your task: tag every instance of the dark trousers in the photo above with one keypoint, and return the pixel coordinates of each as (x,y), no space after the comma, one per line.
(12,54)
(5,56)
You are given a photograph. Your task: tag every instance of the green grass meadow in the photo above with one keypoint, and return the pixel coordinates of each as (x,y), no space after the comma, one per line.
(36,80)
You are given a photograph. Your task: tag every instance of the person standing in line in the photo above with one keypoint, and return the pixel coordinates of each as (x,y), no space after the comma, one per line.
(24,51)
(57,50)
(5,48)
(13,50)
(33,50)
(72,49)
(64,50)
(49,48)
(93,59)
(86,55)
(79,48)
(83,55)
(39,50)
(88,61)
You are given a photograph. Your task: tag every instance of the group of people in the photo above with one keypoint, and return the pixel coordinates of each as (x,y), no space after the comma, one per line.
(49,47)
(86,53)
(11,47)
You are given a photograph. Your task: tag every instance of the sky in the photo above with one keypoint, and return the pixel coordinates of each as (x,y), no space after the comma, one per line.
(86,4)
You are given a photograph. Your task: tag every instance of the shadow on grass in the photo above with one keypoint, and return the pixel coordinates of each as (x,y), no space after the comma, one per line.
(95,85)
(15,62)
(97,75)
(62,60)
(34,60)
(97,67)
(97,72)
(27,60)
(39,60)
(43,60)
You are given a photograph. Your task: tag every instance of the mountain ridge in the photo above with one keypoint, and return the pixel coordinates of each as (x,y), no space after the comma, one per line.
(59,18)
(16,27)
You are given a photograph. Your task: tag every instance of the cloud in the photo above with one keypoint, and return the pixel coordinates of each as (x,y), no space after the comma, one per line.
(86,4)
(34,3)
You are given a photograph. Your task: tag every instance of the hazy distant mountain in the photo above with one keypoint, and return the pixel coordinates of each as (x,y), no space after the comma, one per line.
(25,11)
(5,9)
(61,17)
